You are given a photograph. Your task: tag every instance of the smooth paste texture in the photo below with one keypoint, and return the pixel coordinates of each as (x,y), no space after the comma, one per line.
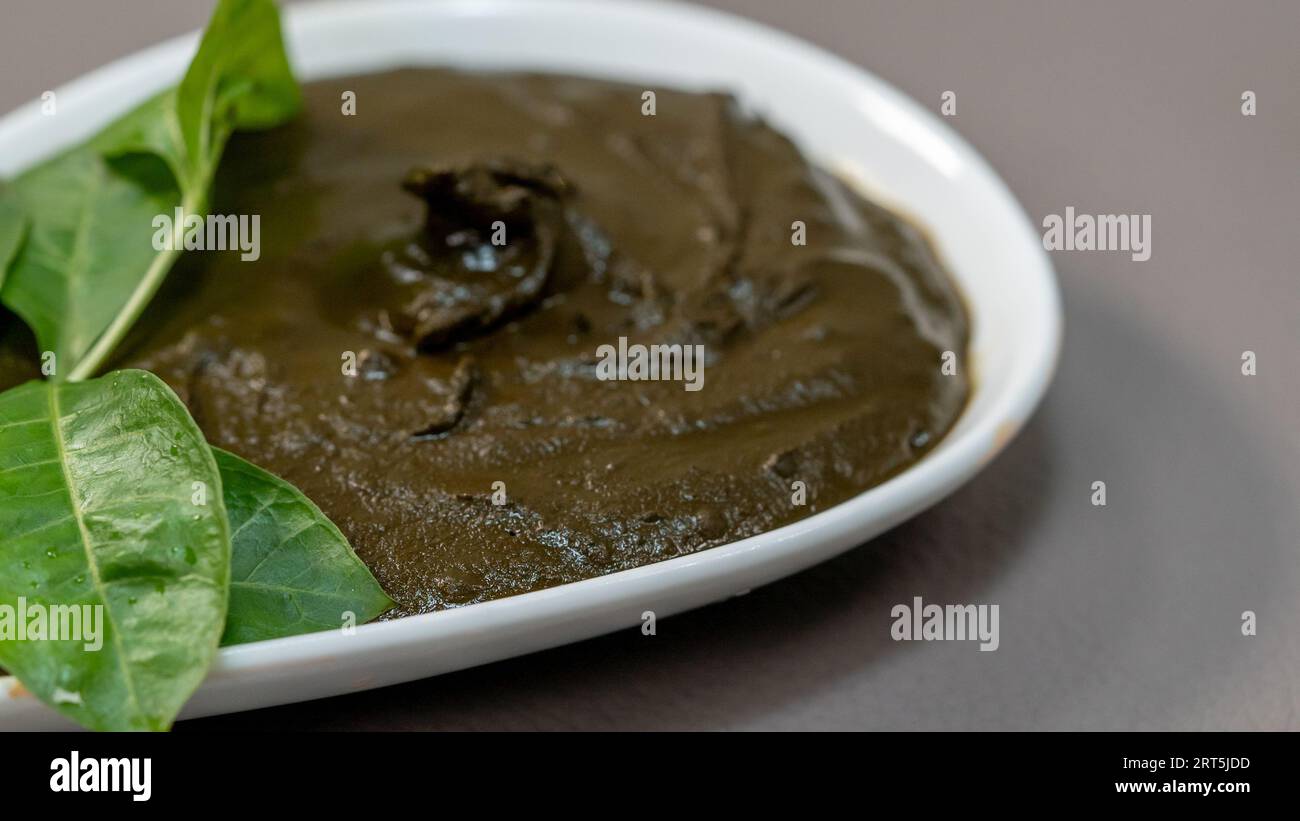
(476,363)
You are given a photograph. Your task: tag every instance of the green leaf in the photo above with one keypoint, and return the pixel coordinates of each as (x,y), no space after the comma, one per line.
(292,571)
(13,228)
(238,80)
(89,266)
(88,247)
(100,506)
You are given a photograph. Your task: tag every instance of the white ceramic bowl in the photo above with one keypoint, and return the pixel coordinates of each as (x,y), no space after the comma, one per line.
(842,116)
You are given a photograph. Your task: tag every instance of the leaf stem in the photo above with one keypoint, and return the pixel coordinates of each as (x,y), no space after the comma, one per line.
(135,305)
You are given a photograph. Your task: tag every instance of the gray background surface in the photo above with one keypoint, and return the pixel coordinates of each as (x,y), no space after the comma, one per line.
(1126,616)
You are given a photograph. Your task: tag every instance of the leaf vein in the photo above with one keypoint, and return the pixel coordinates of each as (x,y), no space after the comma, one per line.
(57,432)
